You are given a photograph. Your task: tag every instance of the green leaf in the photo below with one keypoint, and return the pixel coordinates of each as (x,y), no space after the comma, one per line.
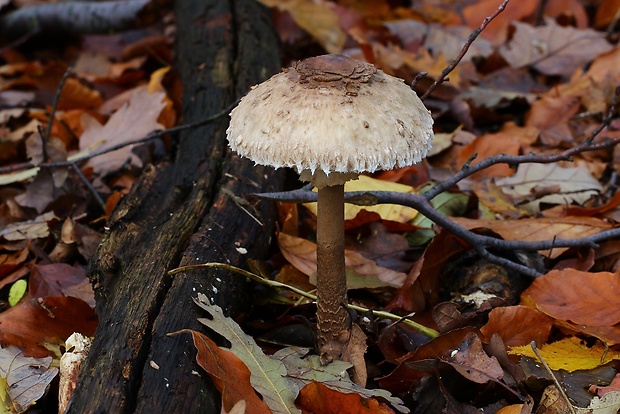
(17,292)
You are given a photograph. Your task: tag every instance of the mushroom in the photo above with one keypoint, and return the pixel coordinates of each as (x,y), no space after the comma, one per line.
(331,118)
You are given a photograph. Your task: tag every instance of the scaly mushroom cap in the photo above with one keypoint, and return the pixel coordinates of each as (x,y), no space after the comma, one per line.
(331,118)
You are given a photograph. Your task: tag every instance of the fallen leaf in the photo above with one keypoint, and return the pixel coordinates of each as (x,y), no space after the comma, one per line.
(614,386)
(392,212)
(470,360)
(27,378)
(488,145)
(60,279)
(304,368)
(318,18)
(130,122)
(316,398)
(553,49)
(583,298)
(539,229)
(571,185)
(36,322)
(229,374)
(496,31)
(10,261)
(30,229)
(570,354)
(268,376)
(518,325)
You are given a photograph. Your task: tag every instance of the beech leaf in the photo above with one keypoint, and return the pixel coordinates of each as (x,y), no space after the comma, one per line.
(583,298)
(570,354)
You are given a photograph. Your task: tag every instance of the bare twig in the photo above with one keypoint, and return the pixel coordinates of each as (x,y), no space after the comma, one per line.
(431,333)
(468,43)
(478,242)
(553,377)
(61,86)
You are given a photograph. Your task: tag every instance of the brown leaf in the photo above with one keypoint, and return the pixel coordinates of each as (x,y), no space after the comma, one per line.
(553,49)
(132,121)
(540,229)
(9,261)
(518,325)
(317,398)
(33,323)
(60,279)
(229,374)
(580,297)
(470,360)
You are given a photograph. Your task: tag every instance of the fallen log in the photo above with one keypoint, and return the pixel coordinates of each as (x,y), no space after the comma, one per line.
(188,211)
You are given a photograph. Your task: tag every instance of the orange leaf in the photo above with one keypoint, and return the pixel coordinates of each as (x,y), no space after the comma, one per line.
(497,30)
(518,325)
(580,297)
(319,399)
(486,146)
(229,374)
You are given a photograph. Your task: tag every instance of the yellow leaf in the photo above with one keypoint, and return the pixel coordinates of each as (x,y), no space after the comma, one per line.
(316,17)
(570,354)
(390,212)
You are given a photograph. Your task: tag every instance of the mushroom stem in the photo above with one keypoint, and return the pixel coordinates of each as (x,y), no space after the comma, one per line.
(334,325)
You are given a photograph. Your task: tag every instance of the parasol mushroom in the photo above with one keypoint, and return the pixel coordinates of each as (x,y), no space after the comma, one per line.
(331,118)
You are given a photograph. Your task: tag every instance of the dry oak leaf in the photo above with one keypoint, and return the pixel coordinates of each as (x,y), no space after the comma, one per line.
(132,121)
(229,374)
(553,49)
(268,376)
(316,398)
(583,298)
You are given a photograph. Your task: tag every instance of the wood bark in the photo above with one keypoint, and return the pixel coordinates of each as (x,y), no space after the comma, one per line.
(190,211)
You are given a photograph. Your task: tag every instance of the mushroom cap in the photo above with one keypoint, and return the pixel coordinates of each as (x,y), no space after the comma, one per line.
(331,118)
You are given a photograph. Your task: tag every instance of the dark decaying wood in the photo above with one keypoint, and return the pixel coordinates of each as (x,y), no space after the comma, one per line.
(190,211)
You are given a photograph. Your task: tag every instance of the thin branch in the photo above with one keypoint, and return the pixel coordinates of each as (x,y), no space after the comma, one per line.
(478,242)
(61,86)
(461,55)
(513,160)
(88,185)
(431,333)
(553,377)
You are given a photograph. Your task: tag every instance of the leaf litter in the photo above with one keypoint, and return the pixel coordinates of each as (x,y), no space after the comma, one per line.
(537,81)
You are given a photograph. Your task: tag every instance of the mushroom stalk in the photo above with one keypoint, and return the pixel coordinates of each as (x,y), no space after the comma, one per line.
(334,325)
